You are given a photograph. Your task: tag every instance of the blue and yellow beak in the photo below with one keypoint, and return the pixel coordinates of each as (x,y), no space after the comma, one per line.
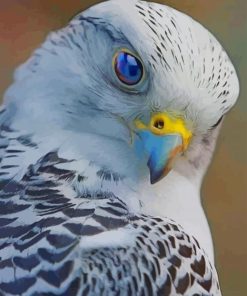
(160,142)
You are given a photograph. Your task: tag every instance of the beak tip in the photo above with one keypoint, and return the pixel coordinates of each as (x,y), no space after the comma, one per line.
(160,152)
(155,176)
(158,172)
(152,182)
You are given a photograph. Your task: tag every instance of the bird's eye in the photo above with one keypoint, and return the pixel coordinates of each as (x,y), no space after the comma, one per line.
(128,68)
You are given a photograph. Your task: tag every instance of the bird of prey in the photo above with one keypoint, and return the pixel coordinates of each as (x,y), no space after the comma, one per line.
(106,134)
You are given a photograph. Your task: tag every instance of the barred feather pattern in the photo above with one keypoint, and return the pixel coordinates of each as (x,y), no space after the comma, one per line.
(54,242)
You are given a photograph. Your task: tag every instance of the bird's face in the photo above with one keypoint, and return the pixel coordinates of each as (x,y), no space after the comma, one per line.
(158,73)
(156,134)
(145,74)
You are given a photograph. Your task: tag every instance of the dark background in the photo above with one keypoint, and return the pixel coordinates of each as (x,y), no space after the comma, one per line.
(24,25)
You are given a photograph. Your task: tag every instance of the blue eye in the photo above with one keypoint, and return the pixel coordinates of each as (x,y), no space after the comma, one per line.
(128,68)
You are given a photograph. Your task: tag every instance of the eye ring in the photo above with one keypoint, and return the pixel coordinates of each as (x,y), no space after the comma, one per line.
(128,68)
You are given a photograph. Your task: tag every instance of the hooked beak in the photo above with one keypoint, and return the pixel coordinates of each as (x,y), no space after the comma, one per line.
(161,141)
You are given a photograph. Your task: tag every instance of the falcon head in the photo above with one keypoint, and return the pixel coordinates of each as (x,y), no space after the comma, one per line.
(144,76)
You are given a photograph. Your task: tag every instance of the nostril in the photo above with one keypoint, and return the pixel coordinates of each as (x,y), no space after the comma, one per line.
(159,124)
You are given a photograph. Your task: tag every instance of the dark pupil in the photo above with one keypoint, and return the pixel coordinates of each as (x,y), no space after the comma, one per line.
(159,124)
(128,68)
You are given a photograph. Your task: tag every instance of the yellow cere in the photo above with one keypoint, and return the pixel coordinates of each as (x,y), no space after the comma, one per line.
(162,124)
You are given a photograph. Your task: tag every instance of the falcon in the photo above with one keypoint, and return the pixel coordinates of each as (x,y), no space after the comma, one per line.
(106,134)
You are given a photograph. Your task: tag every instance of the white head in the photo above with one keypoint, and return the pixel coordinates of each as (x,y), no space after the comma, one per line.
(70,83)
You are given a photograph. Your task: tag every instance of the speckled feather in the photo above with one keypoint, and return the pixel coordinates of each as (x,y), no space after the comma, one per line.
(49,242)
(69,224)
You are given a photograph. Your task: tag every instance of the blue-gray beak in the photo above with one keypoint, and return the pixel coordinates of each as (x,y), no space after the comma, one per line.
(159,152)
(160,141)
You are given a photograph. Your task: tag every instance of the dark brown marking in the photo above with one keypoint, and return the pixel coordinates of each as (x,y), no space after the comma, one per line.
(199,266)
(185,251)
(183,284)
